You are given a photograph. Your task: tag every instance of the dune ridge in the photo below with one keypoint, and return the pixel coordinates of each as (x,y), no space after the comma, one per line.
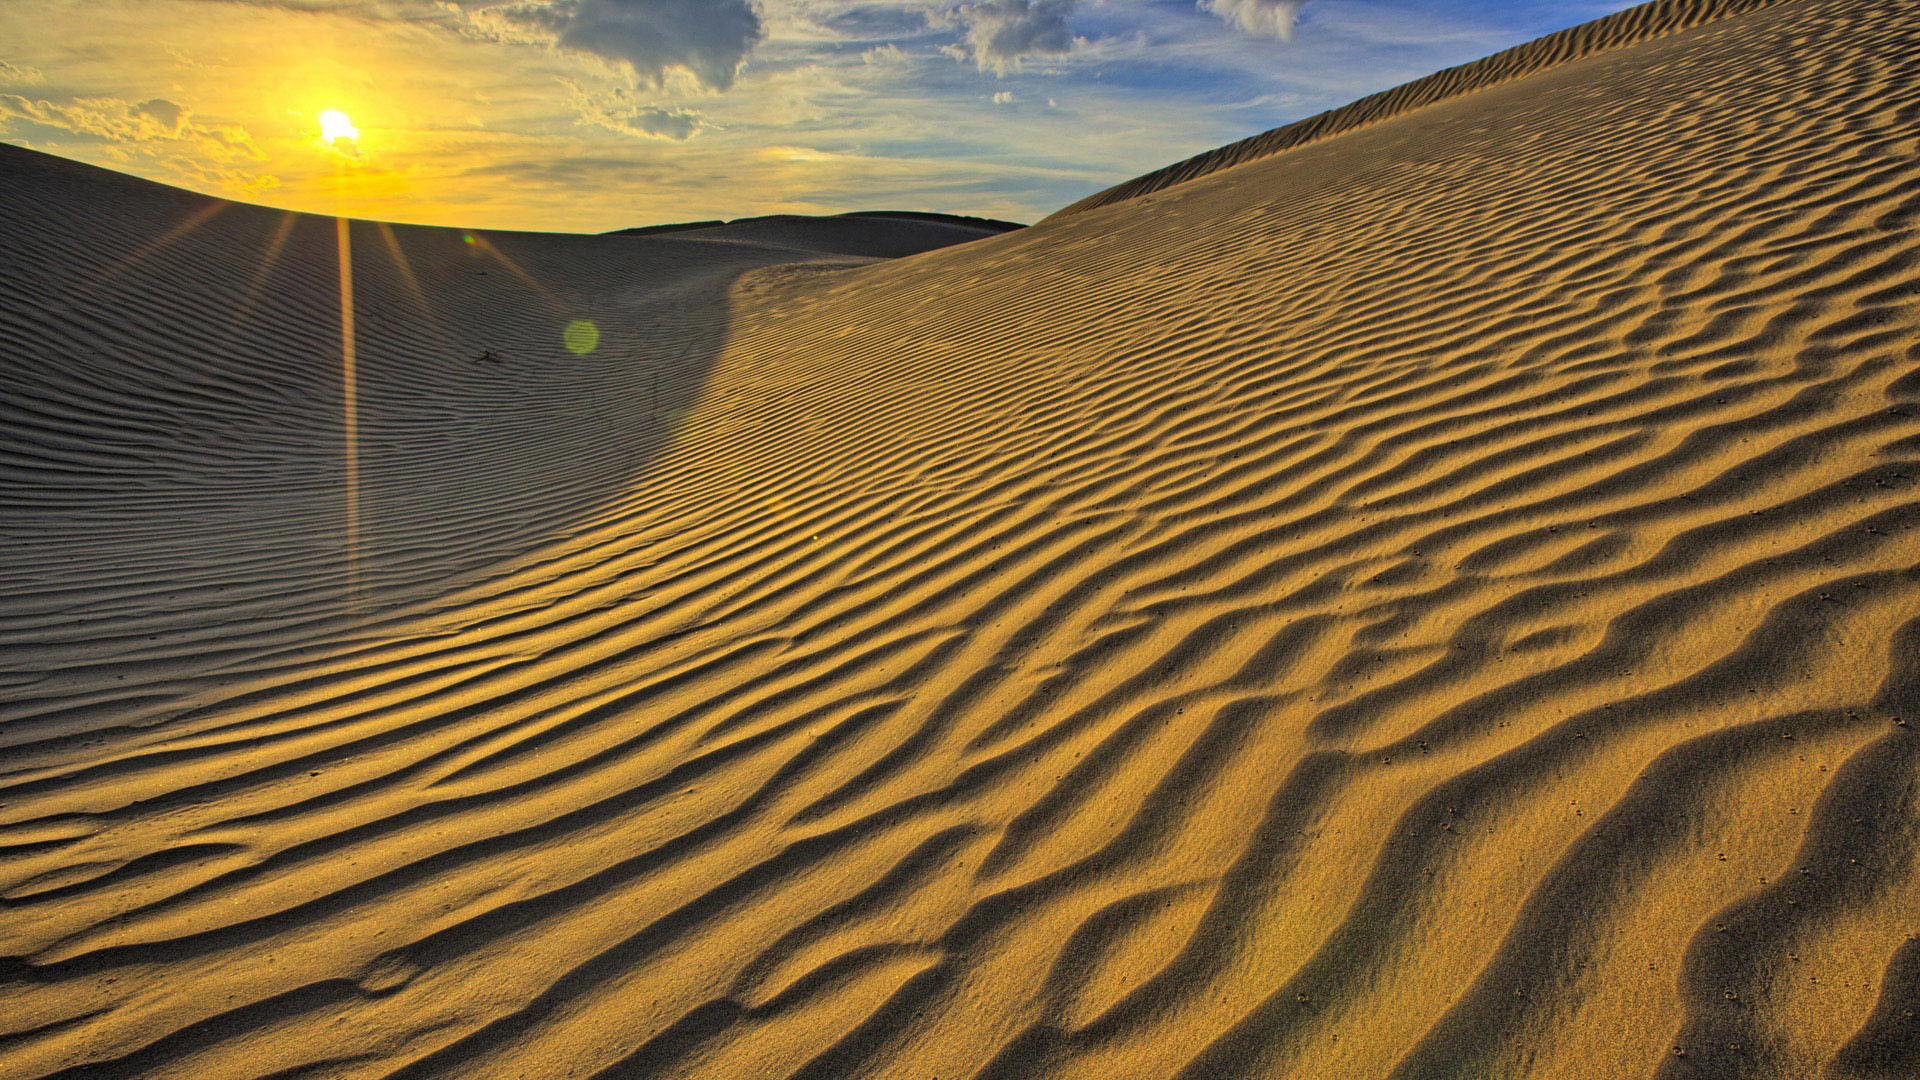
(1439,602)
(1635,24)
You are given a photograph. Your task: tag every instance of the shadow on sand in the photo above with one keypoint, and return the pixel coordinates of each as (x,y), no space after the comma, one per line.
(197,419)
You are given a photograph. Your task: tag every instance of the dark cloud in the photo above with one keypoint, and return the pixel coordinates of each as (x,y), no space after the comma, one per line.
(648,122)
(708,39)
(585,172)
(676,124)
(162,112)
(1268,18)
(1003,31)
(617,111)
(872,23)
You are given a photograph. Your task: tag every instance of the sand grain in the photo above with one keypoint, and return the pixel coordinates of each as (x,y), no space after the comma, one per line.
(1439,601)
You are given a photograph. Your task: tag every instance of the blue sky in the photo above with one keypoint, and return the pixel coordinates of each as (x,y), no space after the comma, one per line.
(597,114)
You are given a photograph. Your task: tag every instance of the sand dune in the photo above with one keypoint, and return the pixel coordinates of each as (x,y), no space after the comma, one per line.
(1440,600)
(1635,24)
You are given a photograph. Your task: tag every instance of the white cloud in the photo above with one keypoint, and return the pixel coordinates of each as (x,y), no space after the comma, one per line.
(1004,97)
(1264,18)
(1001,32)
(616,110)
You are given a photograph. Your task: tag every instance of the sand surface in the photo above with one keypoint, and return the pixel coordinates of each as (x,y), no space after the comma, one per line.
(1437,601)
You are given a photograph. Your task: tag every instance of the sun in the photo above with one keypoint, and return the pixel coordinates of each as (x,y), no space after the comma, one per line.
(335,126)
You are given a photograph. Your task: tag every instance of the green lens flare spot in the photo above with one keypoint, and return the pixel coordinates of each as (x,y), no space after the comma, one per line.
(581,337)
(467,239)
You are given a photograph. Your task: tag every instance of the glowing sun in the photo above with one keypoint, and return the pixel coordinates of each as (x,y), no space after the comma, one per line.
(335,126)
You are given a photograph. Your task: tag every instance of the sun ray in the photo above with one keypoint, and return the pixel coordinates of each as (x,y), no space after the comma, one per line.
(142,253)
(412,283)
(350,411)
(267,261)
(487,247)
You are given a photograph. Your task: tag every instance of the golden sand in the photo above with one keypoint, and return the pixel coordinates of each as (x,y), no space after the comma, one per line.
(1436,600)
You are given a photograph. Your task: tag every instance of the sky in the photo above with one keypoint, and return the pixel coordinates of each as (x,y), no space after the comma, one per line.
(591,115)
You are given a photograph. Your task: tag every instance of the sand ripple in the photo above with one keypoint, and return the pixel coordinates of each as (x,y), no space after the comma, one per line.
(1438,602)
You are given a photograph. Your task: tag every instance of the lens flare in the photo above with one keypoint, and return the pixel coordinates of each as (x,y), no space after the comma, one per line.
(581,337)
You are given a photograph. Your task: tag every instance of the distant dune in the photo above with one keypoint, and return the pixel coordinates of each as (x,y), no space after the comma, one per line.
(881,234)
(1438,599)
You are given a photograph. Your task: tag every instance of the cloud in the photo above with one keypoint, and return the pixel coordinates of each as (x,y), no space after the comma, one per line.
(655,122)
(578,173)
(1263,18)
(796,153)
(163,112)
(706,39)
(1004,97)
(107,119)
(1003,31)
(218,153)
(18,74)
(617,111)
(870,22)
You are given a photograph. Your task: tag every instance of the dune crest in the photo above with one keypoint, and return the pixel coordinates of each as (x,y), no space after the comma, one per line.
(1635,24)
(1442,601)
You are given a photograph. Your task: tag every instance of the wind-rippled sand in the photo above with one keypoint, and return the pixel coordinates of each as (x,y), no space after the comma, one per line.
(1437,600)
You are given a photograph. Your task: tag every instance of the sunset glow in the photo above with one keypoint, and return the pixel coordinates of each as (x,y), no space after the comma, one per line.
(968,539)
(590,115)
(335,127)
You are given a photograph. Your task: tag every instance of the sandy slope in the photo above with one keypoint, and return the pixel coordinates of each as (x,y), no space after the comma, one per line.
(1440,601)
(1631,26)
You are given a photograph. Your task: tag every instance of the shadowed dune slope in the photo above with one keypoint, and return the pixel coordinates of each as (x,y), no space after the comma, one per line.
(879,234)
(174,469)
(1439,602)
